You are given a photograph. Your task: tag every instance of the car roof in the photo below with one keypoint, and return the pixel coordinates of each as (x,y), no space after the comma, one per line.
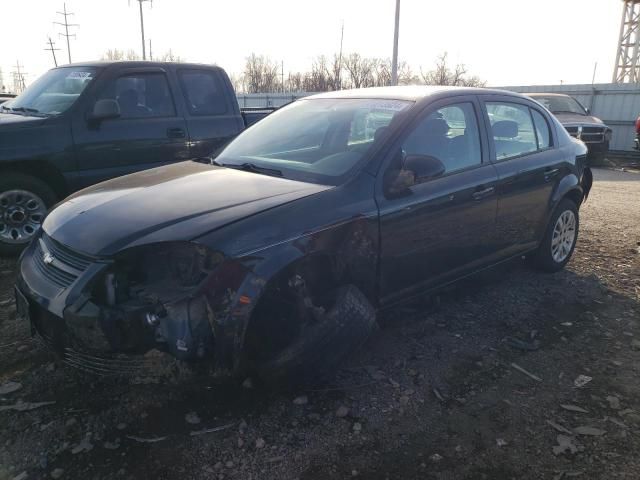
(408,92)
(137,63)
(541,94)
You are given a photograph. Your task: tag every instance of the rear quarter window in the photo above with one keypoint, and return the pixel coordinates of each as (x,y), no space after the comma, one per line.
(203,92)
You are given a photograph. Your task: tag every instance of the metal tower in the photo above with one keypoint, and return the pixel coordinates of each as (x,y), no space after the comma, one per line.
(627,67)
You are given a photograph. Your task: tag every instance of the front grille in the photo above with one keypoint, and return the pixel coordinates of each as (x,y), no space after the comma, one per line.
(65,265)
(588,134)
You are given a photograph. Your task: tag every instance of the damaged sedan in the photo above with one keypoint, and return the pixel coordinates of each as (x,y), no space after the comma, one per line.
(275,258)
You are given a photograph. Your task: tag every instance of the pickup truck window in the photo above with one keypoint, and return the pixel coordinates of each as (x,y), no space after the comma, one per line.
(319,141)
(55,91)
(202,92)
(141,95)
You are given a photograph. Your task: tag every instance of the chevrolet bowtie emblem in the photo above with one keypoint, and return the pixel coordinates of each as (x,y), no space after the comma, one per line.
(47,258)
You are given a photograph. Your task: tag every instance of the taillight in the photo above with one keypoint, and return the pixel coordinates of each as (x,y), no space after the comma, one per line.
(638,125)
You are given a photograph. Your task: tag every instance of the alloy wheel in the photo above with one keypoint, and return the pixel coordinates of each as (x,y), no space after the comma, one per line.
(21,215)
(564,236)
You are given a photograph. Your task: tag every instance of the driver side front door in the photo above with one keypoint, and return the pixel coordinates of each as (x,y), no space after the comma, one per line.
(437,229)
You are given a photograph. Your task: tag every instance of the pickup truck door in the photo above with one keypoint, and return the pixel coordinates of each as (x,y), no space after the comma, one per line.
(148,133)
(439,228)
(529,169)
(211,109)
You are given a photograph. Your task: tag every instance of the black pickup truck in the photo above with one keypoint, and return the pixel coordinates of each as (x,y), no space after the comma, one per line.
(81,124)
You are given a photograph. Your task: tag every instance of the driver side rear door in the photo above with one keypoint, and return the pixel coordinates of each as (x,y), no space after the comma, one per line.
(436,230)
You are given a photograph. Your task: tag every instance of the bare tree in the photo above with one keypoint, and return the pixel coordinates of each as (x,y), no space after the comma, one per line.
(113,54)
(169,56)
(360,70)
(238,82)
(295,82)
(444,75)
(260,74)
(3,88)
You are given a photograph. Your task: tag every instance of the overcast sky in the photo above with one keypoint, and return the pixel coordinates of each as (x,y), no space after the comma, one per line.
(505,42)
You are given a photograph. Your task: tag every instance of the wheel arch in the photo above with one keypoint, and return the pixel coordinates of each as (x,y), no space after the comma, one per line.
(43,171)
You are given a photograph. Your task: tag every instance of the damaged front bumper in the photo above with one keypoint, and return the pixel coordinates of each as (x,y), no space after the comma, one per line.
(97,312)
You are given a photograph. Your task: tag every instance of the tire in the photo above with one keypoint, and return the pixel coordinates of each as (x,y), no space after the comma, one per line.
(21,197)
(318,350)
(551,257)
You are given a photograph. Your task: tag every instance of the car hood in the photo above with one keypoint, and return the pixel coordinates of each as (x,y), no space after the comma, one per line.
(19,120)
(177,202)
(576,119)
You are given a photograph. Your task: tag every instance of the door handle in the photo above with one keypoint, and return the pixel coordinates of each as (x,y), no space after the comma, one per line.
(549,173)
(482,192)
(175,133)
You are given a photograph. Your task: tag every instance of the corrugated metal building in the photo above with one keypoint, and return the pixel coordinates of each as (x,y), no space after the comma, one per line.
(617,104)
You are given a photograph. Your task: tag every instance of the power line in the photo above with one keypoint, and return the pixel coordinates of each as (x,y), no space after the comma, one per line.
(66,26)
(53,51)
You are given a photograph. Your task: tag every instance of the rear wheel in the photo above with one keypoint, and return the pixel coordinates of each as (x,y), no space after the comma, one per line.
(560,238)
(24,201)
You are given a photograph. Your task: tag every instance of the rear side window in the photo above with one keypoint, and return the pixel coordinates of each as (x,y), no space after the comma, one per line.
(512,129)
(542,130)
(203,92)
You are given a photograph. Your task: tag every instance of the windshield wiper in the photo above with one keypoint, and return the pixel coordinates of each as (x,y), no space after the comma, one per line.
(25,109)
(252,167)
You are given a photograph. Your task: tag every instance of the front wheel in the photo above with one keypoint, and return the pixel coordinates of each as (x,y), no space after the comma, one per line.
(24,201)
(560,239)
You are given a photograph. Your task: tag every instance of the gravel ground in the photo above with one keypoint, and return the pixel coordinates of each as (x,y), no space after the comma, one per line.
(510,374)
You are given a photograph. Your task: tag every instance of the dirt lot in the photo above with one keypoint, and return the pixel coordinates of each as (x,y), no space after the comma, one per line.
(438,393)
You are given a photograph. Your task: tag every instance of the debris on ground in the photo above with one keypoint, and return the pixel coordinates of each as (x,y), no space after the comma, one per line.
(212,430)
(591,431)
(192,418)
(527,373)
(260,443)
(614,402)
(559,427)
(22,406)
(342,411)
(573,408)
(522,344)
(57,473)
(582,380)
(9,387)
(565,444)
(301,400)
(145,440)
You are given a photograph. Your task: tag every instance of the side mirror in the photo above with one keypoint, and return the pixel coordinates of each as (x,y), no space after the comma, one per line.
(423,167)
(105,109)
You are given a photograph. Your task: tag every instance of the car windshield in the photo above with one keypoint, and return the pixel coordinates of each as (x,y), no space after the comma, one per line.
(54,92)
(561,104)
(313,140)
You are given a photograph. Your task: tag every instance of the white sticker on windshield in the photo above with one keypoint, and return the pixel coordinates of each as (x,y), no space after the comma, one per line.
(79,75)
(389,105)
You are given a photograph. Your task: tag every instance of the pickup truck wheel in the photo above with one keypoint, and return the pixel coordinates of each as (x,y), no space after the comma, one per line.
(24,201)
(319,347)
(560,238)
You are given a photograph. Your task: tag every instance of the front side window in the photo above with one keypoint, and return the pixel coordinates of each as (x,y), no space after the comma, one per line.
(450,134)
(54,92)
(141,95)
(512,129)
(202,92)
(315,140)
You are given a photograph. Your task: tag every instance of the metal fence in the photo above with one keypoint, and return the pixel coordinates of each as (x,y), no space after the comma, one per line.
(618,105)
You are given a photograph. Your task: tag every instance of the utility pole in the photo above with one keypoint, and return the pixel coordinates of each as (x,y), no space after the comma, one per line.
(150,51)
(394,60)
(18,78)
(53,51)
(282,74)
(144,51)
(66,26)
(339,79)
